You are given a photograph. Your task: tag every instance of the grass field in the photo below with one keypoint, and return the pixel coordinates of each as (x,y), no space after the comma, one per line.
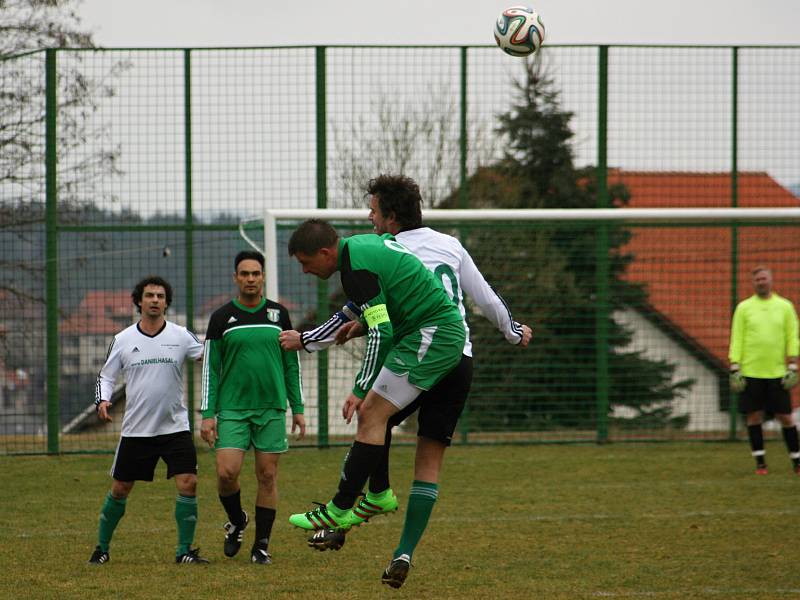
(672,521)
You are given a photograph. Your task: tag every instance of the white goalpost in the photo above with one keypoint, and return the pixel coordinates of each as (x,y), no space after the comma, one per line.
(623,215)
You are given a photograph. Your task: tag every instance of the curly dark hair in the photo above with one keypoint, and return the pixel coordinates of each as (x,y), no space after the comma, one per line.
(400,195)
(136,294)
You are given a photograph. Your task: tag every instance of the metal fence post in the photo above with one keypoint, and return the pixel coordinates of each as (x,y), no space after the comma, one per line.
(733,404)
(51,251)
(322,202)
(188,219)
(601,272)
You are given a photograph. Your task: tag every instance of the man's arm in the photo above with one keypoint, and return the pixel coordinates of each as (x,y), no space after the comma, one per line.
(792,339)
(737,337)
(104,388)
(363,288)
(322,336)
(291,371)
(211,373)
(210,386)
(194,347)
(492,305)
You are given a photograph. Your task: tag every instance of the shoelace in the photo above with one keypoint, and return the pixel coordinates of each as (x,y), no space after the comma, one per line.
(322,509)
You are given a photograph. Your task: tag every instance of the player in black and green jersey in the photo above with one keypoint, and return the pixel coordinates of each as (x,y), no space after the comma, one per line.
(415,337)
(763,354)
(247,383)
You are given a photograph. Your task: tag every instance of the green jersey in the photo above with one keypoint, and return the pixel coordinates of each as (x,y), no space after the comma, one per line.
(244,367)
(396,292)
(763,333)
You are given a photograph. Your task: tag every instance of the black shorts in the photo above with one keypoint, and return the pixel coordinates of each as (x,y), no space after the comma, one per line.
(441,406)
(136,457)
(764,394)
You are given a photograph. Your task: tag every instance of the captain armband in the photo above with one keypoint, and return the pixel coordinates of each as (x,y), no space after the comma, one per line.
(375,315)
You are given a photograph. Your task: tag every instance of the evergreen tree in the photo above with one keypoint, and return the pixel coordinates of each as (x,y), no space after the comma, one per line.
(547,274)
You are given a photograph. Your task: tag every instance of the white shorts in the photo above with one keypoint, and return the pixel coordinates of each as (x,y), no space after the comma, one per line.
(395,388)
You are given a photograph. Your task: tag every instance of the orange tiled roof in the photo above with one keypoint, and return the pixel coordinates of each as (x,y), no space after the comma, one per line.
(100,312)
(687,270)
(701,190)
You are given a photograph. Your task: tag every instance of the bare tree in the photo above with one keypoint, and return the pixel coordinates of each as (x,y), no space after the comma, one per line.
(26,27)
(418,137)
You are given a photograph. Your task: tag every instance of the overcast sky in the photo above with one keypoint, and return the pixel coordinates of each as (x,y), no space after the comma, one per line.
(182,23)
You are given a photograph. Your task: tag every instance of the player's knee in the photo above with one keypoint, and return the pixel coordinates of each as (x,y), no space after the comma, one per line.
(121,489)
(227,475)
(186,484)
(267,479)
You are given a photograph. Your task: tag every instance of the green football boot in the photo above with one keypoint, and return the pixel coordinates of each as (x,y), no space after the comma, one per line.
(372,505)
(325,516)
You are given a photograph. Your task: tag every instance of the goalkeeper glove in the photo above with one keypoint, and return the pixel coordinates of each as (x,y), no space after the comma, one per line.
(738,382)
(789,380)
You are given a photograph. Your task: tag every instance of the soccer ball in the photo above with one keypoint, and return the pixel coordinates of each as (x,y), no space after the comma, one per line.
(519,31)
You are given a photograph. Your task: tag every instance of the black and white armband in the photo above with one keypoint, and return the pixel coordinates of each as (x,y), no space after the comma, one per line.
(323,336)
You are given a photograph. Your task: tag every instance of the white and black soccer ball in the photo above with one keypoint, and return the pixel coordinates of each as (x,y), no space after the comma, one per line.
(519,31)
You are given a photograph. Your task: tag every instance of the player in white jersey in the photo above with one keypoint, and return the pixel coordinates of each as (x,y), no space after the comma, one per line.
(150,354)
(396,208)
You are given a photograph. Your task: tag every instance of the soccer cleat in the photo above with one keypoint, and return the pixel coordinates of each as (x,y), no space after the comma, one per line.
(233,536)
(260,556)
(327,539)
(321,518)
(761,470)
(372,505)
(192,556)
(397,571)
(99,557)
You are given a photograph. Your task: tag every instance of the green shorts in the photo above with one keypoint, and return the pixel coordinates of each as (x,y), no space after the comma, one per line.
(263,430)
(428,354)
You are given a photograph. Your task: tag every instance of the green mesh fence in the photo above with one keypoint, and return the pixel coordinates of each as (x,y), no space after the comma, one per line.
(120,163)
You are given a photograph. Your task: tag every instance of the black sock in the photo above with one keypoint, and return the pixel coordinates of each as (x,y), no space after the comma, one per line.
(265,517)
(233,507)
(792,444)
(379,478)
(756,436)
(360,461)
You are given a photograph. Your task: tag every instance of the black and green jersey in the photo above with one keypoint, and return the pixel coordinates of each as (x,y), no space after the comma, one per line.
(244,367)
(397,293)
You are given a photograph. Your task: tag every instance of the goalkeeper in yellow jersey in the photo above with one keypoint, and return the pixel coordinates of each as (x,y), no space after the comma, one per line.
(763,355)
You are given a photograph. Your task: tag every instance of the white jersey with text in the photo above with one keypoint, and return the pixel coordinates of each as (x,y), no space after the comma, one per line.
(153,370)
(453,266)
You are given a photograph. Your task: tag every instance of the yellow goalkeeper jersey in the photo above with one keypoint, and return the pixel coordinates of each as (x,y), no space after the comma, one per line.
(763,333)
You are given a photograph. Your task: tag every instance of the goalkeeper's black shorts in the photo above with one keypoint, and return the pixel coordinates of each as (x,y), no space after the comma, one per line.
(765,394)
(441,406)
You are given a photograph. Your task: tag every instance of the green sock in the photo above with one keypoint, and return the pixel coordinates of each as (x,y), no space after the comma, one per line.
(420,505)
(110,515)
(186,518)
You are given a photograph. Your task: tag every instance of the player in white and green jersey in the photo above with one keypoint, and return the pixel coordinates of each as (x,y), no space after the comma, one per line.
(415,338)
(763,355)
(248,384)
(150,354)
(396,208)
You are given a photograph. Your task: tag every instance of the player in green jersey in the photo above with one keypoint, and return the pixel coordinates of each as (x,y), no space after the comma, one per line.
(415,337)
(247,383)
(763,356)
